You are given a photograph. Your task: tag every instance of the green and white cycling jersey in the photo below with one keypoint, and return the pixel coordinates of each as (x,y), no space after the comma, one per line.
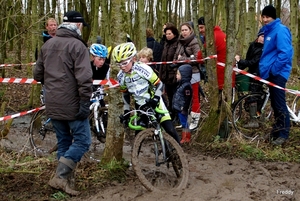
(141,82)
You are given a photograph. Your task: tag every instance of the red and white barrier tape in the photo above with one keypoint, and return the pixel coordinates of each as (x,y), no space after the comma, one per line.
(111,82)
(21,114)
(10,65)
(265,81)
(18,80)
(183,61)
(164,62)
(32,81)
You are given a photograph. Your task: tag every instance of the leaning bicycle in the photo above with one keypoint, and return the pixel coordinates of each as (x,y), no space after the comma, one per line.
(241,115)
(263,117)
(157,159)
(42,134)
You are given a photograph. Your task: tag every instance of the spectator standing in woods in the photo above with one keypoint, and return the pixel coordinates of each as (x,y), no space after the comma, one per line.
(64,68)
(51,27)
(154,45)
(188,49)
(252,62)
(166,73)
(275,65)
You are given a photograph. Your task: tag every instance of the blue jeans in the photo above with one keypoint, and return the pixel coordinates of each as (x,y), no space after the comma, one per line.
(183,120)
(281,127)
(73,138)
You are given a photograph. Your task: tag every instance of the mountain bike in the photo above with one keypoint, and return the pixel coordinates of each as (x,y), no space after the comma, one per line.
(42,134)
(241,116)
(157,159)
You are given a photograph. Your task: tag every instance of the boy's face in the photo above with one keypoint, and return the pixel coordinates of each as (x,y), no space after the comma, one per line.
(178,75)
(144,59)
(126,65)
(98,61)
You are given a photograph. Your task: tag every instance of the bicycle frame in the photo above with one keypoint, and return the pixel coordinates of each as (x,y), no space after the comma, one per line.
(267,96)
(294,117)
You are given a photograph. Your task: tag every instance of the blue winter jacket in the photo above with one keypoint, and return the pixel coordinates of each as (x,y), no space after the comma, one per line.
(276,58)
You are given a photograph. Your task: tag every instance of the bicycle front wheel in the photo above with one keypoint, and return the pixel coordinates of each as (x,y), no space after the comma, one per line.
(41,134)
(98,130)
(252,127)
(155,172)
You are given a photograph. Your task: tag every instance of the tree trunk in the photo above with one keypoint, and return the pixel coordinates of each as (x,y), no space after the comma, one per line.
(294,26)
(115,132)
(211,124)
(141,26)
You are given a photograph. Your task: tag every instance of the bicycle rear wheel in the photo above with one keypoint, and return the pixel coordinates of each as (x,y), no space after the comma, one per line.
(154,172)
(41,134)
(241,117)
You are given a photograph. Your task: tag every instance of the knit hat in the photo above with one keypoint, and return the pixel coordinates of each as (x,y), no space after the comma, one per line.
(201,21)
(260,32)
(74,16)
(191,24)
(269,11)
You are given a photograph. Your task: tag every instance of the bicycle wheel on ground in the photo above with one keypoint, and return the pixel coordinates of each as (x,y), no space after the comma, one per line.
(256,126)
(41,134)
(98,136)
(155,173)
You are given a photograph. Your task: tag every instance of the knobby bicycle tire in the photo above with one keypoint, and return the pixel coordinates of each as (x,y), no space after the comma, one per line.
(163,177)
(42,135)
(241,117)
(98,138)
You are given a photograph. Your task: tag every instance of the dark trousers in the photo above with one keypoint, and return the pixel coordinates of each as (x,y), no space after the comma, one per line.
(281,127)
(170,90)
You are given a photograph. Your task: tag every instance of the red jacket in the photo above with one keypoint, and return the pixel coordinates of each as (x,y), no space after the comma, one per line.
(220,45)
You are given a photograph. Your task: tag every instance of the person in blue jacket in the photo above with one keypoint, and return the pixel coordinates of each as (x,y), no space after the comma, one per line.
(275,66)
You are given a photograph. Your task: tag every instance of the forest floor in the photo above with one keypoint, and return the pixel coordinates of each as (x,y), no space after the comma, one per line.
(215,175)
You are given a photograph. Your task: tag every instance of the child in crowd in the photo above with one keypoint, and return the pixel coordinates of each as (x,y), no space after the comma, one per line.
(145,55)
(182,99)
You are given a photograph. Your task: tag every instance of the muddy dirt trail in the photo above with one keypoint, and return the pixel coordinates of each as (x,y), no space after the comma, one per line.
(210,179)
(219,180)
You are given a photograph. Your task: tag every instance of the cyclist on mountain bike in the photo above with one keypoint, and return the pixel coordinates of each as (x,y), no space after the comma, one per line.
(139,79)
(100,68)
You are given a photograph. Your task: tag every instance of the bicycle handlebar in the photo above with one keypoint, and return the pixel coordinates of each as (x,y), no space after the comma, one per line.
(149,112)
